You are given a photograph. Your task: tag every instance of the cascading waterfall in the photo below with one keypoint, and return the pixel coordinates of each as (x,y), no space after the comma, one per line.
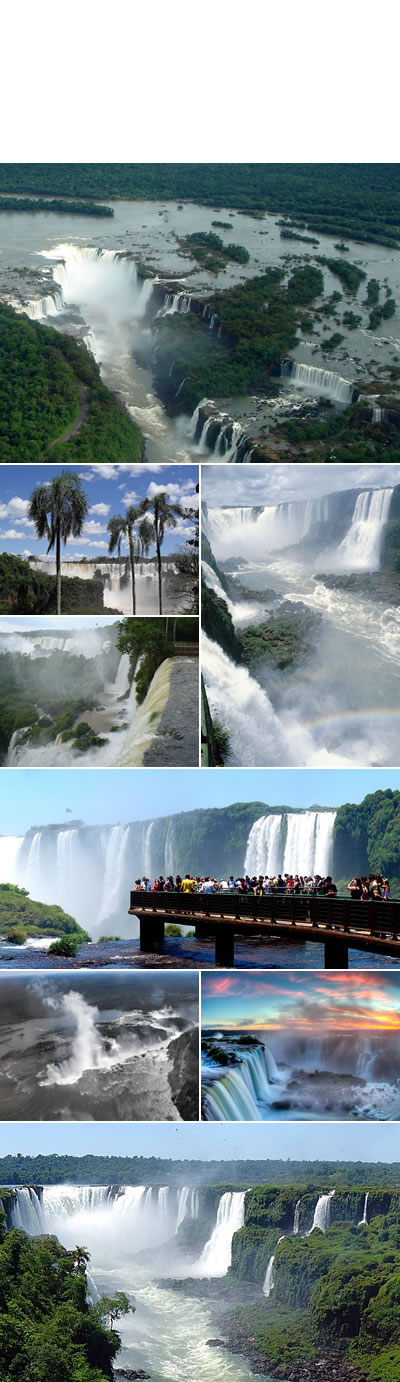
(217,1254)
(27,1212)
(361,548)
(147,850)
(319,381)
(217,434)
(260,530)
(170,854)
(105,280)
(364,1219)
(322,1212)
(296,1221)
(144,720)
(237,699)
(292,843)
(269,1277)
(240,1094)
(117,582)
(116,851)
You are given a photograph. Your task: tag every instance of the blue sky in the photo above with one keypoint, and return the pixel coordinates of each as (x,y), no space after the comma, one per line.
(38,796)
(207,1141)
(276,484)
(109,489)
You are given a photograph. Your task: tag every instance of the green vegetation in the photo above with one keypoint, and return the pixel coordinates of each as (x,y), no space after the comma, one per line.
(53,1169)
(218,624)
(370,833)
(40,204)
(351,320)
(51,395)
(334,1293)
(211,252)
(294,235)
(23,590)
(258,321)
(222,741)
(282,640)
(39,699)
(149,640)
(58,510)
(358,201)
(350,276)
(373,290)
(67,947)
(380,314)
(224,225)
(16,935)
(330,343)
(173,930)
(47,1327)
(19,913)
(139,534)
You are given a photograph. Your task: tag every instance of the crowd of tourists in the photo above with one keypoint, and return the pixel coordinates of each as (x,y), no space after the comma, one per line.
(307,885)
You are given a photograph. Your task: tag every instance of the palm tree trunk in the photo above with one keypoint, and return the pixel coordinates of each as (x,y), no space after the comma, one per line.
(159,576)
(58,568)
(132,562)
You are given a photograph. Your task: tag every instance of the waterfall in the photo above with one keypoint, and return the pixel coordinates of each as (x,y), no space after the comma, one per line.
(216,433)
(269,1277)
(361,548)
(116,579)
(27,1212)
(84,277)
(144,719)
(264,847)
(319,381)
(116,850)
(188,1204)
(175,302)
(307,848)
(147,850)
(296,1221)
(216,1257)
(170,858)
(238,1095)
(257,531)
(121,684)
(322,1211)
(364,1219)
(237,699)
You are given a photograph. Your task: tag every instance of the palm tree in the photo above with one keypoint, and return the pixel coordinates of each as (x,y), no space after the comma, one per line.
(58,510)
(120,527)
(164,515)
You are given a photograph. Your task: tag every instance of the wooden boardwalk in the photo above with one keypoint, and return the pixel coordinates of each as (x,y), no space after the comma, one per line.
(336,923)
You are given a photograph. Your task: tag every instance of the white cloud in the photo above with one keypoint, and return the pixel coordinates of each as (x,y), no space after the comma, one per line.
(130,496)
(93,527)
(13,533)
(16,508)
(100,508)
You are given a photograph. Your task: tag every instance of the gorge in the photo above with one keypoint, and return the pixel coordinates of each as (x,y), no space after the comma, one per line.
(308,671)
(261,1266)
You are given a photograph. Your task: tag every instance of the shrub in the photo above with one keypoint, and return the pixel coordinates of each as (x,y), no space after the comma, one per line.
(67,947)
(16,935)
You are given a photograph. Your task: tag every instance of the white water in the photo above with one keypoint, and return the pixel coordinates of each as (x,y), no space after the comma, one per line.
(322,1211)
(296,1222)
(337,706)
(101,291)
(269,1277)
(306,849)
(361,548)
(240,1094)
(364,1219)
(237,700)
(117,583)
(217,1255)
(319,381)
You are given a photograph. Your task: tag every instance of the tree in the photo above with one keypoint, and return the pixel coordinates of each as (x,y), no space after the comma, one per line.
(120,527)
(113,1307)
(164,515)
(58,509)
(147,642)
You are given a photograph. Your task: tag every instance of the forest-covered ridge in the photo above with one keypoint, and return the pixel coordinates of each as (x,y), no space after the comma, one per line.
(358,200)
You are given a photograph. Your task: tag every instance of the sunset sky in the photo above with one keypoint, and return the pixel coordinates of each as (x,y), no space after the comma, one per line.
(303,1001)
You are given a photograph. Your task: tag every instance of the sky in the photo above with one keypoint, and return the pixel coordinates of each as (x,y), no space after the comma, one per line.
(276,484)
(110,489)
(112,796)
(206,1141)
(302,1002)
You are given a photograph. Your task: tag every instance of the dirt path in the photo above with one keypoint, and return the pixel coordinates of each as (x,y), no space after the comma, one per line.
(83,416)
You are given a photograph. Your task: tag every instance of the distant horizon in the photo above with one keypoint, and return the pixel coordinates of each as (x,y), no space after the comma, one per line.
(206,1141)
(35,796)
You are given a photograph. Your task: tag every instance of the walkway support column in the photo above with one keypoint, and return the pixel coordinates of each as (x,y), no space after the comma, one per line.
(151,934)
(336,954)
(225,946)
